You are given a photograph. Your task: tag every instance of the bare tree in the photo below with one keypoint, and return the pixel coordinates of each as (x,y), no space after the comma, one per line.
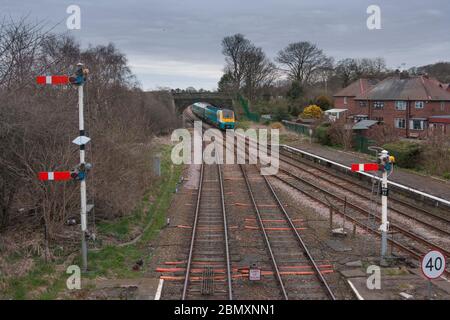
(303,60)
(35,129)
(350,69)
(259,71)
(235,48)
(341,133)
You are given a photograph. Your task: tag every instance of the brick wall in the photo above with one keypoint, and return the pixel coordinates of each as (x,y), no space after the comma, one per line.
(339,102)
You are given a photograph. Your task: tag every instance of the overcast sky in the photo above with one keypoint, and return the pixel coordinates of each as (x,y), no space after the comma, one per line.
(177,43)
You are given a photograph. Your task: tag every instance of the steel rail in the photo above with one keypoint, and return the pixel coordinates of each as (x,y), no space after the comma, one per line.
(425,223)
(400,201)
(362,210)
(399,185)
(424,194)
(362,225)
(266,238)
(359,223)
(225,226)
(302,243)
(194,231)
(367,212)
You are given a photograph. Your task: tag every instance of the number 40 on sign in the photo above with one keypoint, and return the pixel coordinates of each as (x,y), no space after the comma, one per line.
(433,264)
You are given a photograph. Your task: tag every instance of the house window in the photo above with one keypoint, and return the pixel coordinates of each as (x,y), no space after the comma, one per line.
(345,100)
(363,104)
(400,105)
(442,105)
(417,124)
(419,104)
(400,123)
(378,104)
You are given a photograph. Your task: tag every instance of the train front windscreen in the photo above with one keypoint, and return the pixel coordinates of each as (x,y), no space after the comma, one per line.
(227,114)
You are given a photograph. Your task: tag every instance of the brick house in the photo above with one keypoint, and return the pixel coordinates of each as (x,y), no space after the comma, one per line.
(345,98)
(408,104)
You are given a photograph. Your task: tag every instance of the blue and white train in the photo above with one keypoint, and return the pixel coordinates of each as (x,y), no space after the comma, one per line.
(221,118)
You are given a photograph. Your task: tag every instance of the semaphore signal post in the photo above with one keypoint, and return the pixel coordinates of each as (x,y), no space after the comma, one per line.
(79,173)
(385,164)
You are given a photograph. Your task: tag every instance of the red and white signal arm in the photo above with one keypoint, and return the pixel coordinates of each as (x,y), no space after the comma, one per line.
(54,175)
(365,167)
(55,80)
(433,264)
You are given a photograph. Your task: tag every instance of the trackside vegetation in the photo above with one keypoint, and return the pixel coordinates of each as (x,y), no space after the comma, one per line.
(115,259)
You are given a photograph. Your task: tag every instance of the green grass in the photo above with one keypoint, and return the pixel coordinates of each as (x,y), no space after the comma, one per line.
(115,261)
(110,261)
(118,229)
(20,287)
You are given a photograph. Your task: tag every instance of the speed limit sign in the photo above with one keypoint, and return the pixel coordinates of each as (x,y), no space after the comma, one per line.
(433,264)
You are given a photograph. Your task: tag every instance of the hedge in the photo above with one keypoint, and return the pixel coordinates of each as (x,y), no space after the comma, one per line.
(407,154)
(322,134)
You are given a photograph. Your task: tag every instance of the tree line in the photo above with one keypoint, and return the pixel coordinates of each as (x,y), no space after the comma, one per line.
(301,69)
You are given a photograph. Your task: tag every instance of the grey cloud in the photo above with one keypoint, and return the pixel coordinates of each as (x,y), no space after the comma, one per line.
(186,35)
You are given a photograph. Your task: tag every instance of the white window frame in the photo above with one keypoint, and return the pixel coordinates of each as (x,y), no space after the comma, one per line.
(363,104)
(422,103)
(400,105)
(378,104)
(345,100)
(397,121)
(442,105)
(422,124)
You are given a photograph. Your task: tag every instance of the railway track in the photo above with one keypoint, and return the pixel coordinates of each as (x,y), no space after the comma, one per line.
(401,236)
(404,239)
(208,268)
(410,210)
(288,252)
(425,220)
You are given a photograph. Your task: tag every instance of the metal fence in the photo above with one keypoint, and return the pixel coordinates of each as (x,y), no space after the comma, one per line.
(362,144)
(298,127)
(252,116)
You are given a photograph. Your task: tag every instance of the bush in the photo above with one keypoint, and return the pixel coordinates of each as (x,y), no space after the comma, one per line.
(322,134)
(407,154)
(312,112)
(323,102)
